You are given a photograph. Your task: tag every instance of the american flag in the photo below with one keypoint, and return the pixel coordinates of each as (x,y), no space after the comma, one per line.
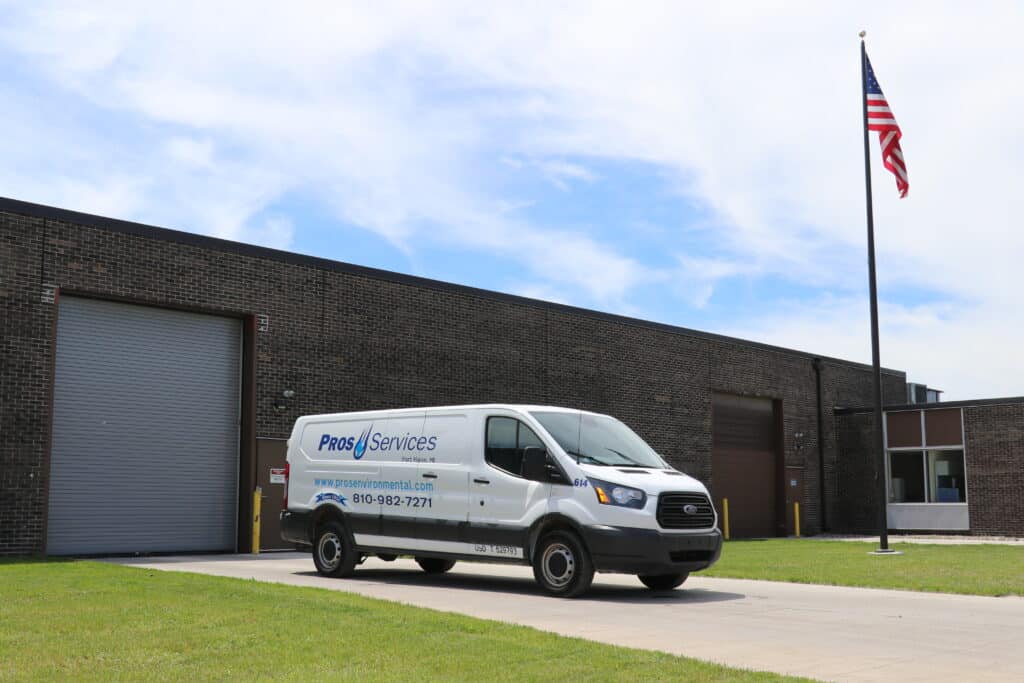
(881,119)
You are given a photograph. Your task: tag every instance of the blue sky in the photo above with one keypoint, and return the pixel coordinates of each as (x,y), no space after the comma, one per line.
(694,166)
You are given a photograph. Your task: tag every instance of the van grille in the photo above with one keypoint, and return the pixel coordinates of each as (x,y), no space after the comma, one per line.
(672,514)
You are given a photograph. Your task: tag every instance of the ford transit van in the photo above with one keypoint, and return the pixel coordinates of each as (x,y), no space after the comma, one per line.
(567,492)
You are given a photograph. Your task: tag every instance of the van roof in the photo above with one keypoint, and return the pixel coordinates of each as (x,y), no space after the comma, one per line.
(478,406)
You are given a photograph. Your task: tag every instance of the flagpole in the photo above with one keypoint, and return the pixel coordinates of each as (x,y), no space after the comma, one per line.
(883,522)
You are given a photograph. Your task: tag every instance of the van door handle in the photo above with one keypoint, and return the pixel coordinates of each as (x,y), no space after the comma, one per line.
(429,475)
(481,481)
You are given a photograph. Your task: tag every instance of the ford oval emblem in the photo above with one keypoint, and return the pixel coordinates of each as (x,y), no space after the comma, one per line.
(690,509)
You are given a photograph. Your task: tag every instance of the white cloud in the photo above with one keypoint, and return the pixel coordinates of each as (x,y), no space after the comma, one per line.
(191,151)
(696,277)
(535,291)
(953,348)
(109,196)
(276,231)
(392,115)
(559,173)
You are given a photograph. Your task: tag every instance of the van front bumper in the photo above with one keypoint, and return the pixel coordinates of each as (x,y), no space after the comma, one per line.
(649,551)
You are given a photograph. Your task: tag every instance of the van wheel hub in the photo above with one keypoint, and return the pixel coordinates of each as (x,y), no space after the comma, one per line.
(330,551)
(558,564)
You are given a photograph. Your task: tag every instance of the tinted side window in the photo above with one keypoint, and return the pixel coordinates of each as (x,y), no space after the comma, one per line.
(506,439)
(501,443)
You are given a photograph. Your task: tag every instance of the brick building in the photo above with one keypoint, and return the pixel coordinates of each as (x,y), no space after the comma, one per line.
(149,378)
(952,467)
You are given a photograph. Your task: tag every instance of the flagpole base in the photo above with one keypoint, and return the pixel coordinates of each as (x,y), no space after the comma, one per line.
(885,551)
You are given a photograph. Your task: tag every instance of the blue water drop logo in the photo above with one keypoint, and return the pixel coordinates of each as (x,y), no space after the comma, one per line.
(360,447)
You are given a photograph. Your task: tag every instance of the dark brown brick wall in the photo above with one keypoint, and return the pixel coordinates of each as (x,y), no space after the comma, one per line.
(25,348)
(994,457)
(347,341)
(857,501)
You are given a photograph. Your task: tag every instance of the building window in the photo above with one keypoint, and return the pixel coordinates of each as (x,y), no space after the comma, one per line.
(933,476)
(906,477)
(925,456)
(946,482)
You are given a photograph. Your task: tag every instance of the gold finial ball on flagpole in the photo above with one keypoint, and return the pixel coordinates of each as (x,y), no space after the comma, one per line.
(862,34)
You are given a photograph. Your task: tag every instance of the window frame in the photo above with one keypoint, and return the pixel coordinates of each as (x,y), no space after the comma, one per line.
(923,449)
(929,493)
(519,424)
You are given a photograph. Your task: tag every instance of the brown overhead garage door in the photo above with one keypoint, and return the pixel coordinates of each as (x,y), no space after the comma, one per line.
(744,463)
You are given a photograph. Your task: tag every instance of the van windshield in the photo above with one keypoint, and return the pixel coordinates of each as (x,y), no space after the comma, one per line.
(599,440)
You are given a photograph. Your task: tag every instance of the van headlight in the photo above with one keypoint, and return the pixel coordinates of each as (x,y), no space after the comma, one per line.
(614,494)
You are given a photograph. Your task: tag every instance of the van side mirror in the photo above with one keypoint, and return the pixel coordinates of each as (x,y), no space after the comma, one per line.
(535,464)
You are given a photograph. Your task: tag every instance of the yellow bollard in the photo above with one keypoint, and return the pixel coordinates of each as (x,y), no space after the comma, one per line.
(257,496)
(725,517)
(796,518)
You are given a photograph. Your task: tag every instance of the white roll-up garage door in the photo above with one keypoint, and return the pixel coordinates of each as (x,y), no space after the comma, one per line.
(145,430)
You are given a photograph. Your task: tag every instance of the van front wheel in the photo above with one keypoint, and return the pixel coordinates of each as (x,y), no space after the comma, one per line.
(562,565)
(332,551)
(663,582)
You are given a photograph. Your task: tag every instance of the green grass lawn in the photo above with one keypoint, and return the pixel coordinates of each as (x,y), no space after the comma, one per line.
(93,621)
(971,569)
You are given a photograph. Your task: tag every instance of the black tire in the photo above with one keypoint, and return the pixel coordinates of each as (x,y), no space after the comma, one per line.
(663,582)
(562,565)
(387,557)
(333,553)
(434,565)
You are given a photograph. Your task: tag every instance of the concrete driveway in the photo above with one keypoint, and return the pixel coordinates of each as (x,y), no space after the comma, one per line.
(847,634)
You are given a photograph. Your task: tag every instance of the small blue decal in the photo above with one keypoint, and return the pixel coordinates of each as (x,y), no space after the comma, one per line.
(321,497)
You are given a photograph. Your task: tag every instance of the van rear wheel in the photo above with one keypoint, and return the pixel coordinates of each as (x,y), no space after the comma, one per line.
(562,565)
(434,565)
(663,582)
(333,554)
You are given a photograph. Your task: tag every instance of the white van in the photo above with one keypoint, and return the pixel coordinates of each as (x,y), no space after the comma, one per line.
(568,492)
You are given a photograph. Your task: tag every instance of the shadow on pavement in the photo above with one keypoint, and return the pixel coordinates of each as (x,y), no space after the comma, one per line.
(527,586)
(456,579)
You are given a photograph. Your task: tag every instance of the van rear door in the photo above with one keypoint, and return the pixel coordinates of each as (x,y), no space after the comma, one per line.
(332,470)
